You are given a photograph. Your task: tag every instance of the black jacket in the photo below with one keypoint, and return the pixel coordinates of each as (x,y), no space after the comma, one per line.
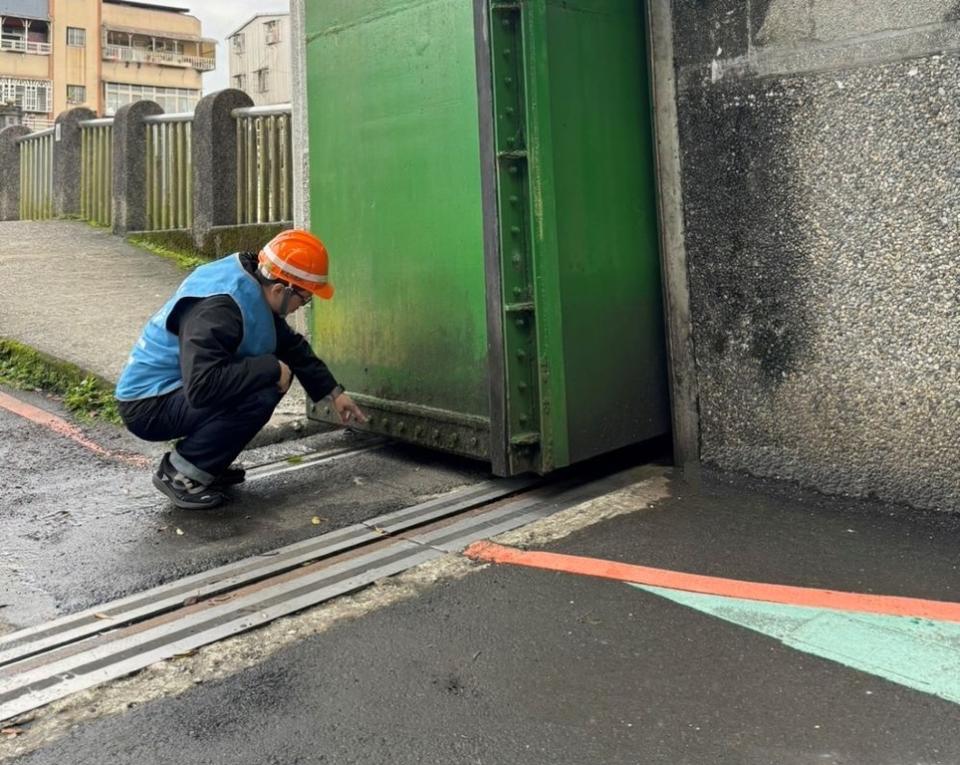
(210,331)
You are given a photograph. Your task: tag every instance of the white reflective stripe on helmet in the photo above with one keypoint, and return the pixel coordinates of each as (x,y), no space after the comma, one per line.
(292,270)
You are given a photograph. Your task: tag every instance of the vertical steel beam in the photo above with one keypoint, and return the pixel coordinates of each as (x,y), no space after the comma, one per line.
(251,169)
(262,169)
(148,217)
(544,241)
(518,311)
(84,173)
(288,168)
(22,151)
(273,190)
(108,197)
(188,138)
(25,180)
(177,135)
(164,175)
(97,171)
(241,170)
(157,176)
(49,176)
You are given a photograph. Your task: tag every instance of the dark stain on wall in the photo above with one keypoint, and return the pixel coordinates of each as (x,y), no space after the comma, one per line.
(707,29)
(745,243)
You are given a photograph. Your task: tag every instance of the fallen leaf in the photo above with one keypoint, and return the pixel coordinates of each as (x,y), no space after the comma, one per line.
(102,616)
(179,532)
(316,520)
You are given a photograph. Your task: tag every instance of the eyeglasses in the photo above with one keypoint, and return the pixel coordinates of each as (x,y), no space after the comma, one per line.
(305,297)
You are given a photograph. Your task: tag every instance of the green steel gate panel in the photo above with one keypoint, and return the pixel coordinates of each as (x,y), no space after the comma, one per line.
(482,174)
(395,195)
(596,150)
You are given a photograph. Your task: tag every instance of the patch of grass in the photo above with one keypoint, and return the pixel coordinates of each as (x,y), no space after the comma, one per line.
(187,259)
(84,395)
(295,459)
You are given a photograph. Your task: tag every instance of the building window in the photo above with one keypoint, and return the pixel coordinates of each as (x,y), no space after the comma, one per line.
(263,80)
(237,43)
(238,81)
(167,45)
(76,94)
(29,95)
(272,31)
(122,39)
(172,100)
(76,37)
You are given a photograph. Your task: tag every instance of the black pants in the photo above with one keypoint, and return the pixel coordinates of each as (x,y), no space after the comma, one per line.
(212,437)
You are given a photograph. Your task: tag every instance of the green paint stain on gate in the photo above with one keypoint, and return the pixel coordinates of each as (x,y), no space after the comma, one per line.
(917,653)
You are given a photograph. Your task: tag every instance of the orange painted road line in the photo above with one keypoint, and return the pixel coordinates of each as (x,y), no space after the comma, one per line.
(63,428)
(712,585)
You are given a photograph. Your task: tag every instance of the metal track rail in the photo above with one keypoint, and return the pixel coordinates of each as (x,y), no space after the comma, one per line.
(49,662)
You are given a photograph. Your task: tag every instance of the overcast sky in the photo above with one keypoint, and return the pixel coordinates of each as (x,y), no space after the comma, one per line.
(220,18)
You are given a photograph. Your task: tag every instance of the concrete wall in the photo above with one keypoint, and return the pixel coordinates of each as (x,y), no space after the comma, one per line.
(151,74)
(75,65)
(27,65)
(819,146)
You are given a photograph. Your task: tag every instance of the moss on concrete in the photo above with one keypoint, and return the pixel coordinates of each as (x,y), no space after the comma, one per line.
(224,240)
(84,394)
(171,245)
(180,247)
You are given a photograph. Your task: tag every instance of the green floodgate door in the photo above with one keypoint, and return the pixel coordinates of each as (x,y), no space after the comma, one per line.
(482,174)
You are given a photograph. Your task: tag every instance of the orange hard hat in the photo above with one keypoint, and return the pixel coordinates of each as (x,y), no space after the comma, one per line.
(299,258)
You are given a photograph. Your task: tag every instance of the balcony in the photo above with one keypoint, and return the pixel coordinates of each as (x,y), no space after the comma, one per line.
(137,55)
(19,45)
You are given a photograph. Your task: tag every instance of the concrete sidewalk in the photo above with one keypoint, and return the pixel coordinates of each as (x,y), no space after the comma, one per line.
(82,295)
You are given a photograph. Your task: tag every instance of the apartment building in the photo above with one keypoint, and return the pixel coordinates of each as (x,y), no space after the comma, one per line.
(57,54)
(260,60)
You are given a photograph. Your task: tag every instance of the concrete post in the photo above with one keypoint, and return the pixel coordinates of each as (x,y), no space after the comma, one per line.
(130,166)
(10,171)
(66,161)
(215,162)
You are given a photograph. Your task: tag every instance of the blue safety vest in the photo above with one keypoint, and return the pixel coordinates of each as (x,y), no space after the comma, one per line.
(153,368)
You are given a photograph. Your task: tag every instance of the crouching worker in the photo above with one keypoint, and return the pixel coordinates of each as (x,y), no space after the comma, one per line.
(212,364)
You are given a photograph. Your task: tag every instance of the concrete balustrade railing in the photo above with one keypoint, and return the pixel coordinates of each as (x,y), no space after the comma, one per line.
(264,164)
(36,175)
(220,176)
(96,170)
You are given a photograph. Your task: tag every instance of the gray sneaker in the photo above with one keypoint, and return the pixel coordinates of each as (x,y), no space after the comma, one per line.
(186,493)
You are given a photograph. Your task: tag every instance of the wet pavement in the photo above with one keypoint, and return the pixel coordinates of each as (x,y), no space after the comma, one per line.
(127,282)
(80,529)
(500,664)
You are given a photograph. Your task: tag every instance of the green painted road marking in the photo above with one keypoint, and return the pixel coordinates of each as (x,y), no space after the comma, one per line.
(917,653)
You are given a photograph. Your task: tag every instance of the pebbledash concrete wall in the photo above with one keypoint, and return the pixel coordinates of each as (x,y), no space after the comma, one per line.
(820,160)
